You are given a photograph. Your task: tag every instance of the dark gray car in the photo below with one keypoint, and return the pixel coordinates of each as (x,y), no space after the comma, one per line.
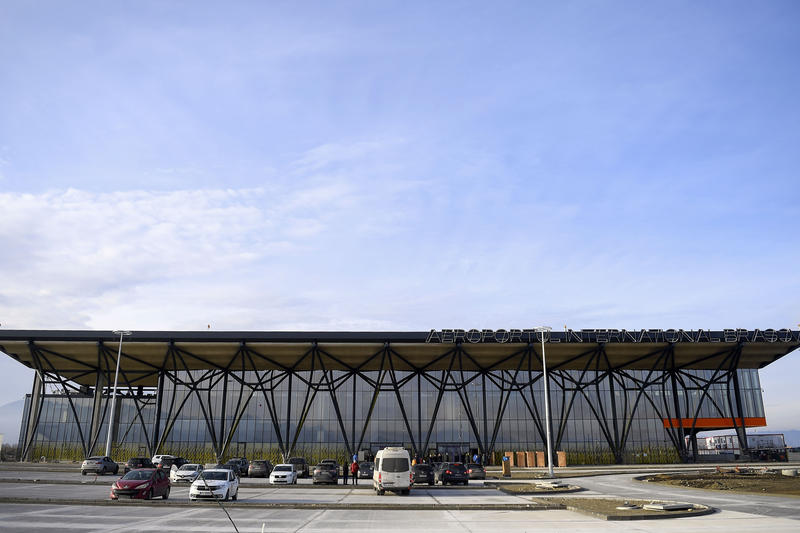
(326,473)
(476,471)
(452,474)
(300,466)
(259,468)
(365,469)
(238,464)
(422,473)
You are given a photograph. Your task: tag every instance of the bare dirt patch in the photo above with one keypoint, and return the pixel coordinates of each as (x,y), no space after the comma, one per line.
(762,482)
(607,508)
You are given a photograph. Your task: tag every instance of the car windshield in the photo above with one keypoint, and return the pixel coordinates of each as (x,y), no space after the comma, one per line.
(395,464)
(474,466)
(365,465)
(216,476)
(297,460)
(137,475)
(457,468)
(137,460)
(422,468)
(282,468)
(192,468)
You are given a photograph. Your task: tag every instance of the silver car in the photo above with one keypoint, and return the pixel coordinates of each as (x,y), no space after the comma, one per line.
(187,473)
(99,465)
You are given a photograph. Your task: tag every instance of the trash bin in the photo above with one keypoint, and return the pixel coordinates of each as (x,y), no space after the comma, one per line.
(506,466)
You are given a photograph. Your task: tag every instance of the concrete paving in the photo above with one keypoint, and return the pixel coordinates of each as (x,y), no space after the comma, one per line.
(739,512)
(28,518)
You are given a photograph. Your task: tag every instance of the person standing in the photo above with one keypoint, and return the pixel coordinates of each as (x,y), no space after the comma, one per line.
(344,474)
(354,472)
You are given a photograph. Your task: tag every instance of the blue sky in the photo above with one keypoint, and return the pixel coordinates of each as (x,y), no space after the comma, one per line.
(401,166)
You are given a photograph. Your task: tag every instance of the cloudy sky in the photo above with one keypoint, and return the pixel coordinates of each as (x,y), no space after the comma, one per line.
(401,166)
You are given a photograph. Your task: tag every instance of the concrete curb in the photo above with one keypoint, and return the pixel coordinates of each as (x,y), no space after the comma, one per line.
(537,506)
(58,482)
(244,485)
(534,492)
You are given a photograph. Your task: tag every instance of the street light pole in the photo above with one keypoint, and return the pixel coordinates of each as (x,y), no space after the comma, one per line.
(542,331)
(121,334)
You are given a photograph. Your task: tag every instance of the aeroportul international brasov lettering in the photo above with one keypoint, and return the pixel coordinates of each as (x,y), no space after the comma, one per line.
(611,335)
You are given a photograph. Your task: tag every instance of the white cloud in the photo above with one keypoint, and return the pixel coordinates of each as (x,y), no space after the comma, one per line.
(75,258)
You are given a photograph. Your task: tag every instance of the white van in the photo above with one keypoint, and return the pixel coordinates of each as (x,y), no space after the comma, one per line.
(392,471)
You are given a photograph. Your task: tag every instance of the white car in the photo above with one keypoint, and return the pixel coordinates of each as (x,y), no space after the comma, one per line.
(157,458)
(215,483)
(283,474)
(187,473)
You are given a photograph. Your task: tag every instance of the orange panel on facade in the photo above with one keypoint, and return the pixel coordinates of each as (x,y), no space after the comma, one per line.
(716,423)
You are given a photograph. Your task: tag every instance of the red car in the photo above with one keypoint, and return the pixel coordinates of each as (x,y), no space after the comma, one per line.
(142,483)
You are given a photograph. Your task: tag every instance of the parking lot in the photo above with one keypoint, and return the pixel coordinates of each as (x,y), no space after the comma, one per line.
(61,499)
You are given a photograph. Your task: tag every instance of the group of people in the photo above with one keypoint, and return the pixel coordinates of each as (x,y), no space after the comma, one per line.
(352,469)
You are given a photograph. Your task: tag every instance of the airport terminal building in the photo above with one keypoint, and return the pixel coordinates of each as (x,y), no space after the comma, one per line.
(619,396)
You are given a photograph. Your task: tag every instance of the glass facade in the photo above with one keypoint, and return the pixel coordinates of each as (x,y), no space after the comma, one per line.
(596,417)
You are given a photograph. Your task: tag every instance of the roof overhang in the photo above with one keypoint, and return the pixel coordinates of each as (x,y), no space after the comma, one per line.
(78,355)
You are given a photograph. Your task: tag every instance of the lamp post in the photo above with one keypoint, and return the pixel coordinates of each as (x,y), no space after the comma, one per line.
(121,333)
(542,330)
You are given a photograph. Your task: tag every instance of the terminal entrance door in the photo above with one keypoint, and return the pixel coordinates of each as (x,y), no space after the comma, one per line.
(452,451)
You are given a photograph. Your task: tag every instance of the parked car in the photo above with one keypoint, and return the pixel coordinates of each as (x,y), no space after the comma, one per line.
(138,462)
(283,474)
(422,473)
(99,464)
(157,458)
(452,473)
(476,471)
(167,463)
(326,473)
(180,461)
(186,473)
(142,483)
(392,471)
(261,468)
(220,484)
(365,469)
(238,465)
(300,466)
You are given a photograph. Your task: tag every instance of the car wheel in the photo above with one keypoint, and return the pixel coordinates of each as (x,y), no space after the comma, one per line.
(166,494)
(227,496)
(83,472)
(235,496)
(102,471)
(116,470)
(430,483)
(149,495)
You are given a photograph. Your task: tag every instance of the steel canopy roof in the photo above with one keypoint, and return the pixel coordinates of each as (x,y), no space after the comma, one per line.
(78,355)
